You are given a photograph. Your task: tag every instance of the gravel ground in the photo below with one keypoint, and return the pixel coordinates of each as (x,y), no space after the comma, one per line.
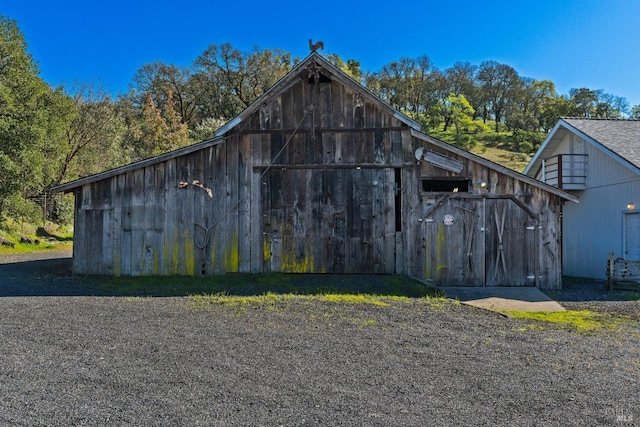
(69,357)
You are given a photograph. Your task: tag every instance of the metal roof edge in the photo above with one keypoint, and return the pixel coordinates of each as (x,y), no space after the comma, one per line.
(496,166)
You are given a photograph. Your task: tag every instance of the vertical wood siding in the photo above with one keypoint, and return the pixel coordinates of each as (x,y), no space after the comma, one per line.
(321,180)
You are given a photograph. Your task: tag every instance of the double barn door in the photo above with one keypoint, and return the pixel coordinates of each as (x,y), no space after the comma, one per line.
(336,220)
(480,242)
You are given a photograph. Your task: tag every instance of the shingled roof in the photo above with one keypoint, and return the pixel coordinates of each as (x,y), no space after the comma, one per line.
(620,136)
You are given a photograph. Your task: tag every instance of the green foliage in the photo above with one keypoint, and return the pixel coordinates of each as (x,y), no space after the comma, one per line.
(24,210)
(350,66)
(54,237)
(32,122)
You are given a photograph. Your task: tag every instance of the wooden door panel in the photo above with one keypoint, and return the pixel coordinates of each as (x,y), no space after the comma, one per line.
(510,255)
(454,244)
(327,220)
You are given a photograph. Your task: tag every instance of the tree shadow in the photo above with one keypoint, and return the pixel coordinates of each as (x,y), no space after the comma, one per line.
(53,277)
(578,289)
(41,232)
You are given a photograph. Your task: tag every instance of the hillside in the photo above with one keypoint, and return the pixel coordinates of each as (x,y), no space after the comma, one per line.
(507,148)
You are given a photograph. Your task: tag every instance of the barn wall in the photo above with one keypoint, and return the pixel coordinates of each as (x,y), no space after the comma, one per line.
(318,179)
(325,158)
(142,223)
(504,234)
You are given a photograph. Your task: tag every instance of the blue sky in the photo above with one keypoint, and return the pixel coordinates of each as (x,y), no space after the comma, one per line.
(574,43)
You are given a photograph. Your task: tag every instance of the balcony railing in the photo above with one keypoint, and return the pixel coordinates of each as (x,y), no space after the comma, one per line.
(565,171)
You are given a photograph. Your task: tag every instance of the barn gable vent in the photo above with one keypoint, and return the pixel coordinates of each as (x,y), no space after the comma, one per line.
(322,79)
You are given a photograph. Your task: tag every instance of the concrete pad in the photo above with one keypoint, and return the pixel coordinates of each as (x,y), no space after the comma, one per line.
(500,299)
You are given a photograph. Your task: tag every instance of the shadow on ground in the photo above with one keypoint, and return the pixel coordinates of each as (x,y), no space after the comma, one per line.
(26,275)
(53,277)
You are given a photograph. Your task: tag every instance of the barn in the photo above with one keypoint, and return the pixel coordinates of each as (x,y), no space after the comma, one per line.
(320,176)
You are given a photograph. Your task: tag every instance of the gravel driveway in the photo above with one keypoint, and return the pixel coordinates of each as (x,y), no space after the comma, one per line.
(69,357)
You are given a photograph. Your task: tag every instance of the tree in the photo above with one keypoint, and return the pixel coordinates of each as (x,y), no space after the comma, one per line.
(91,140)
(410,85)
(611,106)
(153,130)
(158,80)
(499,85)
(584,102)
(32,118)
(457,111)
(526,110)
(461,80)
(230,80)
(350,67)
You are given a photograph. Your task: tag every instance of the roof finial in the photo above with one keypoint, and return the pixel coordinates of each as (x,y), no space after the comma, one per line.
(315,46)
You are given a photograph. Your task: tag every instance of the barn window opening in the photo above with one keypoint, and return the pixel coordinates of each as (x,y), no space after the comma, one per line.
(322,79)
(445,185)
(398,199)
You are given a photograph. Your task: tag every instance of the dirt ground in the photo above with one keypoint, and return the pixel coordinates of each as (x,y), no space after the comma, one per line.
(70,356)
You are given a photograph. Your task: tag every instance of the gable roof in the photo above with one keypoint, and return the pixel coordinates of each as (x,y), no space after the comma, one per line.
(619,139)
(303,68)
(289,80)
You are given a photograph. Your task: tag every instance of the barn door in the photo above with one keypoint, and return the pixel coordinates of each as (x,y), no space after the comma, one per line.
(454,243)
(328,221)
(479,242)
(510,252)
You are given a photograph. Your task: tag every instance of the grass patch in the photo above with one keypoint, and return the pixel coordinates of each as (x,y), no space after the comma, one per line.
(272,301)
(579,320)
(50,238)
(26,248)
(631,296)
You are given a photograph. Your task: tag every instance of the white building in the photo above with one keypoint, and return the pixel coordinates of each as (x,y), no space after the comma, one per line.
(598,161)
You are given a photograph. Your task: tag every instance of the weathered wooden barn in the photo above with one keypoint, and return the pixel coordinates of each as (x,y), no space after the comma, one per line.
(320,176)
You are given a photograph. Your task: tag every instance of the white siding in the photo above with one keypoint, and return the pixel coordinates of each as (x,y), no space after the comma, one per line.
(594,227)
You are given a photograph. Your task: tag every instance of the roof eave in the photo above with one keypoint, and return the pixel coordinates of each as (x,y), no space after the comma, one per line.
(71,185)
(502,169)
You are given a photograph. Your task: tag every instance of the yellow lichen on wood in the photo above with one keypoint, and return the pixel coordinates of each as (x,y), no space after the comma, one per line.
(156,263)
(291,263)
(232,255)
(172,254)
(189,255)
(266,249)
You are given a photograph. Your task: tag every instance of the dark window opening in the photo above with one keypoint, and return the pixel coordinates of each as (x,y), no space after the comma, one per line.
(398,199)
(323,79)
(445,185)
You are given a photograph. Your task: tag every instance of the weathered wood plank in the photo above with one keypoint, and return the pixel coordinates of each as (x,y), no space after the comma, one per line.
(231,250)
(219,210)
(244,205)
